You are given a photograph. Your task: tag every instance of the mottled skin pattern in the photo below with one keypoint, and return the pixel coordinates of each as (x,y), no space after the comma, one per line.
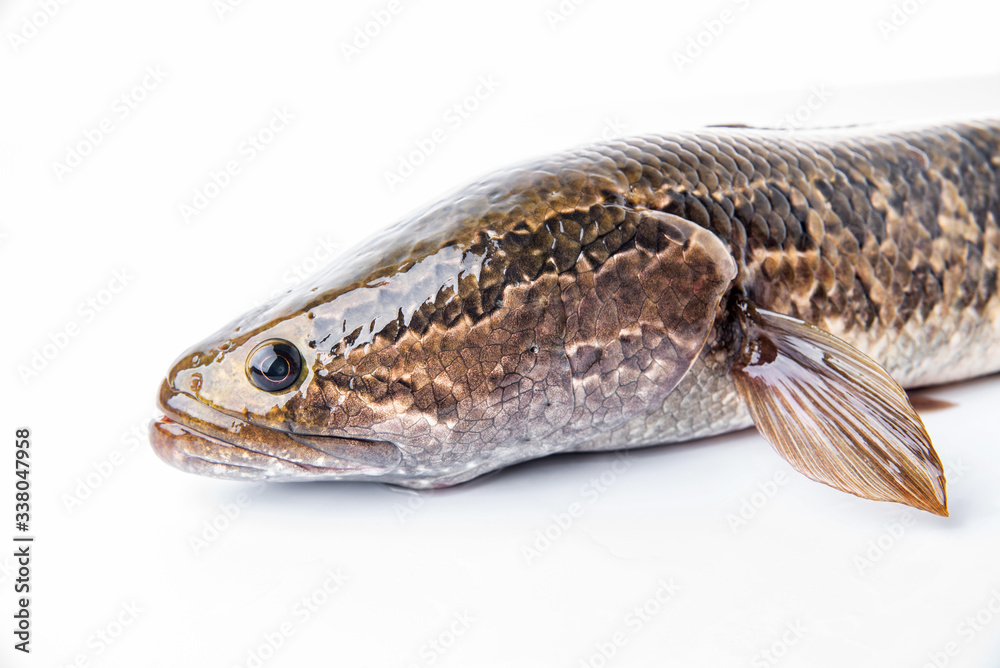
(586,302)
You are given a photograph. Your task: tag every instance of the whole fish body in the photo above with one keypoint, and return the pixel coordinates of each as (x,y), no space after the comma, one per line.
(641,291)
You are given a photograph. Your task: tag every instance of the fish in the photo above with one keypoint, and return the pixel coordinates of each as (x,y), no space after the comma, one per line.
(646,290)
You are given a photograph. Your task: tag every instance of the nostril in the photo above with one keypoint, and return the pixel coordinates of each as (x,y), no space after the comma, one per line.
(185,380)
(182,375)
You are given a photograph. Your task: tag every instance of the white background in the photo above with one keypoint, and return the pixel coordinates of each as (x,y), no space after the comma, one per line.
(821,578)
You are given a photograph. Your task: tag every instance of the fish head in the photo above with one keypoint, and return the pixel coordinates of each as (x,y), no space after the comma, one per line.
(247,403)
(395,364)
(518,317)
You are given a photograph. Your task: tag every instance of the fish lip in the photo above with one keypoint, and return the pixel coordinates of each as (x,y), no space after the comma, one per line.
(197,438)
(174,443)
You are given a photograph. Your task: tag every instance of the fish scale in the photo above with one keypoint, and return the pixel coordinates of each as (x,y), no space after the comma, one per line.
(918,296)
(606,298)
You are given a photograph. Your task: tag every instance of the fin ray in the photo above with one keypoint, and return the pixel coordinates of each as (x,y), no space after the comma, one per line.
(834,414)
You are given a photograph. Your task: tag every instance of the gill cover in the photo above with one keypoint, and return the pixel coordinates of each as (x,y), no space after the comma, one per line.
(636,323)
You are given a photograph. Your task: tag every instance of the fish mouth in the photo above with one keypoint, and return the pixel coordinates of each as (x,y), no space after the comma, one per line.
(194,437)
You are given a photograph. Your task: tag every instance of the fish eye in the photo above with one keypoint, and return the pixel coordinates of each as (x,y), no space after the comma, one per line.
(274,365)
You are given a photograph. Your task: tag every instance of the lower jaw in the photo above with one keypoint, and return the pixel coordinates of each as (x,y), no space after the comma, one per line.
(194,437)
(194,452)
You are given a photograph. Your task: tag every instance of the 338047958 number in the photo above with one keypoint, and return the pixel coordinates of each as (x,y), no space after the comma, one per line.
(22,494)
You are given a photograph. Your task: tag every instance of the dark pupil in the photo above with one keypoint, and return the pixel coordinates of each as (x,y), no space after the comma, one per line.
(275,368)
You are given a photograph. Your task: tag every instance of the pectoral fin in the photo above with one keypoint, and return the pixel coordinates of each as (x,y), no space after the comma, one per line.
(834,414)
